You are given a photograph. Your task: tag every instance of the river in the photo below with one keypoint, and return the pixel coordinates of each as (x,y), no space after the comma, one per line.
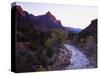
(78,59)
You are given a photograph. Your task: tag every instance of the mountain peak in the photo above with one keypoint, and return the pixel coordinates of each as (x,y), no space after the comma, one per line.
(50,16)
(19,10)
(46,21)
(48,13)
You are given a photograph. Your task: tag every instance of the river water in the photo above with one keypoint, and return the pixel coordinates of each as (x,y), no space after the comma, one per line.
(78,58)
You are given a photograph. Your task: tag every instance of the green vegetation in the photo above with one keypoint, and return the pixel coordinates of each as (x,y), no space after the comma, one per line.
(41,45)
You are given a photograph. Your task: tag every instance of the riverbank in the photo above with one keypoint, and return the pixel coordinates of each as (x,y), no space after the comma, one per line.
(78,60)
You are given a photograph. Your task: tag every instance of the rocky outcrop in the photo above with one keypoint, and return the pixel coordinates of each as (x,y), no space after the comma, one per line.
(90,30)
(43,23)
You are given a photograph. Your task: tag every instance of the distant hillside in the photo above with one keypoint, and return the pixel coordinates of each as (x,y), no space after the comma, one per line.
(73,30)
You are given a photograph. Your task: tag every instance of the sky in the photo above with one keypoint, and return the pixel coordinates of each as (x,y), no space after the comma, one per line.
(75,16)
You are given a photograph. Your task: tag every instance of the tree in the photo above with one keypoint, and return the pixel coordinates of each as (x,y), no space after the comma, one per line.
(59,35)
(56,39)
